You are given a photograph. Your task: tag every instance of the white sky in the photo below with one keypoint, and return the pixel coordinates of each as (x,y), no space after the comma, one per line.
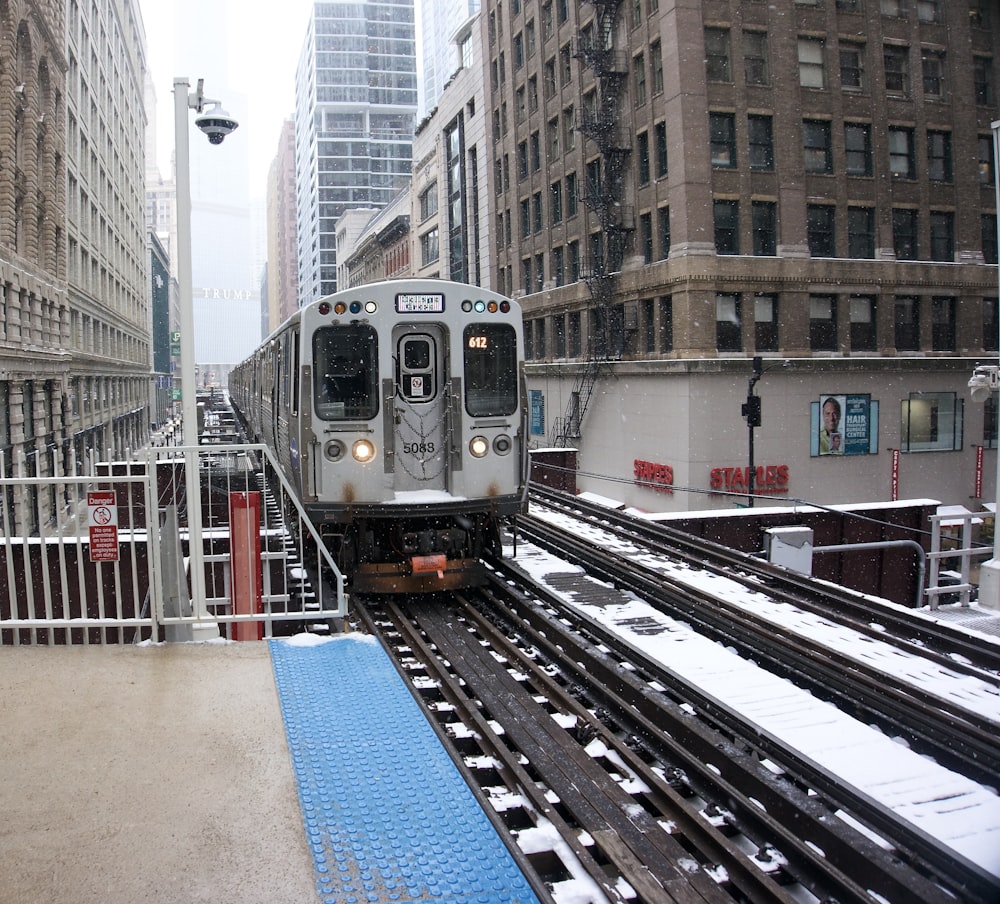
(261,44)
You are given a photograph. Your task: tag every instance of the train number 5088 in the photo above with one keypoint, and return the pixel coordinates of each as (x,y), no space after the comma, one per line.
(418,448)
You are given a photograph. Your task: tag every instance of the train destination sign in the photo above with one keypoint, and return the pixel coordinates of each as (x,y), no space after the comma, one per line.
(419,303)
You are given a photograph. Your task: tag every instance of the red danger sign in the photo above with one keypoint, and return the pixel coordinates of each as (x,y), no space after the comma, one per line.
(102,521)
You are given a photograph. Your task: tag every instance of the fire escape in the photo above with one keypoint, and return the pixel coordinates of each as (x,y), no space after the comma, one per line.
(600,121)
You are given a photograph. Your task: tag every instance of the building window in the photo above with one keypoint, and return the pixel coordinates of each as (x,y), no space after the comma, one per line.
(536,152)
(755,68)
(820,229)
(559,336)
(902,159)
(929,10)
(642,140)
(539,272)
(555,199)
(718,67)
(942,223)
(896,60)
(817,149)
(811,72)
(823,323)
(863,335)
(728,323)
(727,231)
(991,326)
(666,324)
(939,156)
(428,202)
(574,334)
(525,218)
(761,136)
(861,232)
(571,195)
(526,276)
(660,131)
(536,206)
(765,228)
(646,236)
(722,136)
(765,322)
(932,65)
(989,228)
(987,165)
(894,8)
(522,160)
(639,78)
(942,324)
(931,422)
(647,325)
(858,148)
(982,80)
(663,216)
(904,233)
(852,66)
(573,261)
(558,266)
(907,323)
(656,62)
(429,247)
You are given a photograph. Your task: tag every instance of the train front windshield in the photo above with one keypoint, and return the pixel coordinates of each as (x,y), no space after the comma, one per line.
(345,372)
(490,369)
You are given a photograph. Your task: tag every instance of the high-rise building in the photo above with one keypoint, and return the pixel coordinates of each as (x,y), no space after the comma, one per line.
(109,319)
(282,269)
(438,21)
(713,206)
(355,102)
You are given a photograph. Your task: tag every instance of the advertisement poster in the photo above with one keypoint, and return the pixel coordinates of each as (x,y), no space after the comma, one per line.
(845,425)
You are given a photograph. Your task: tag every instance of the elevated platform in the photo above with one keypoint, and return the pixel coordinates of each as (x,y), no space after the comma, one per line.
(166,773)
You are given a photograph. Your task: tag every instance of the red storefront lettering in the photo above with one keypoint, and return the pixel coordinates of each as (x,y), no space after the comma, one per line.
(653,476)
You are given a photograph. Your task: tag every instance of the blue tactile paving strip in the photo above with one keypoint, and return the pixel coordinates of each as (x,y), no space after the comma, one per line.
(387,815)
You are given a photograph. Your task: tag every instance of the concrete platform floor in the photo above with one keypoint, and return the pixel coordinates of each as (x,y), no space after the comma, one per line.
(154,774)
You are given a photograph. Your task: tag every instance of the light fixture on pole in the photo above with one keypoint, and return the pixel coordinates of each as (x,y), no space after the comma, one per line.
(216,124)
(986,380)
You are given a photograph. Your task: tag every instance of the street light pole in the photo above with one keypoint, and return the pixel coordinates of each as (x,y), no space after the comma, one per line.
(752,412)
(216,126)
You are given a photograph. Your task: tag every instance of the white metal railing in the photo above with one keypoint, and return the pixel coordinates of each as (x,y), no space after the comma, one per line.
(965,551)
(53,591)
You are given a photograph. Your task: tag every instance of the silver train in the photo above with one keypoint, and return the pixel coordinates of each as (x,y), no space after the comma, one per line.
(398,413)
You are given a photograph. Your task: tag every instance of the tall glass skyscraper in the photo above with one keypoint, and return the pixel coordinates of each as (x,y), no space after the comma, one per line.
(355,105)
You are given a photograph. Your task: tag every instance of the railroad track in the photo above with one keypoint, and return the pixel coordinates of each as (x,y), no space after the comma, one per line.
(941,726)
(607,781)
(935,640)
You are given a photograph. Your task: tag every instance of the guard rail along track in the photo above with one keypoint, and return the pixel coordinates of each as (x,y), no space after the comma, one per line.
(602,776)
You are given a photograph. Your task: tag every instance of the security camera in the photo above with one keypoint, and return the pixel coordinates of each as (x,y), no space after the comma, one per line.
(985,380)
(216,124)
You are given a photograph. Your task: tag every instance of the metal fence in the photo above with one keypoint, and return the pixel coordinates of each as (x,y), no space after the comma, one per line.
(127,555)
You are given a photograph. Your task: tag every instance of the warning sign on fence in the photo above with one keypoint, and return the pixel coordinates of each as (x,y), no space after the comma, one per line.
(102,520)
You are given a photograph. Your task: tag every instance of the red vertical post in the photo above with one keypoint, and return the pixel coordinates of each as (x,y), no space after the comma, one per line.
(245,563)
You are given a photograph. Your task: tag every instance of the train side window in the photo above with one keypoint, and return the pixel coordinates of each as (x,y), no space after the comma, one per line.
(490,369)
(345,372)
(416,377)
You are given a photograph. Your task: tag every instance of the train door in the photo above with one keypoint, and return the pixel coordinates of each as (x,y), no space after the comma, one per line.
(420,408)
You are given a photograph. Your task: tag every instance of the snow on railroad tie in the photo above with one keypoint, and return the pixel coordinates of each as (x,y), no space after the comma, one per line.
(945,805)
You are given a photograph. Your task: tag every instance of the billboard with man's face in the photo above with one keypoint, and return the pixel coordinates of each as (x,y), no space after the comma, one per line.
(844,425)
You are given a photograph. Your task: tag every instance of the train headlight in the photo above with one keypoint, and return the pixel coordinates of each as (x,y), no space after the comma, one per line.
(363,450)
(479,446)
(502,444)
(334,450)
